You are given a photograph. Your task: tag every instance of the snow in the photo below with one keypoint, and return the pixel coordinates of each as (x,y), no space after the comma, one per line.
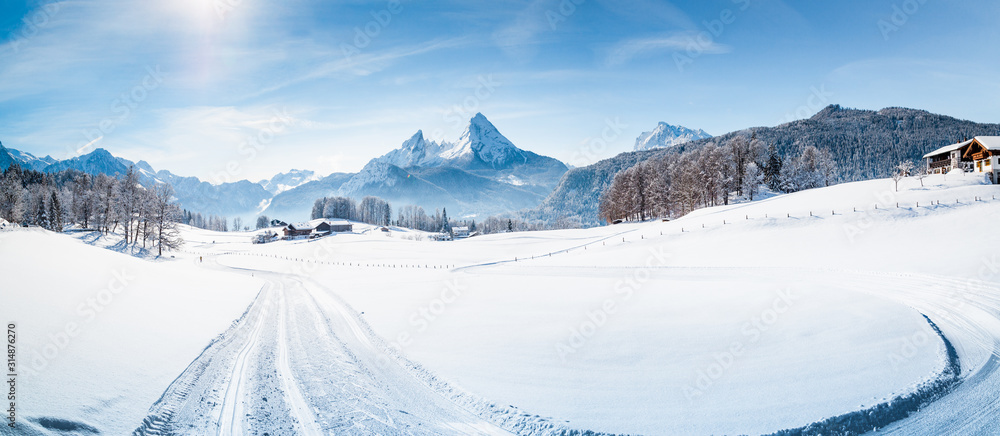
(102,334)
(666,135)
(990,142)
(748,318)
(480,138)
(948,148)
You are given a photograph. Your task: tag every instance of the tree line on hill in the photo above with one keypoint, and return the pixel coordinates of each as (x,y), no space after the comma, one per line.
(864,145)
(377,211)
(210,222)
(103,203)
(672,185)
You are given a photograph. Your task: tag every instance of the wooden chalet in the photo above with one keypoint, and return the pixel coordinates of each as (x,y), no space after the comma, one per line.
(334,226)
(979,155)
(298,229)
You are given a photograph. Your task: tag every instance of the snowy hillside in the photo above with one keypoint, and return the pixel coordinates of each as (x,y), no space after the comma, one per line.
(666,135)
(284,181)
(101,340)
(741,319)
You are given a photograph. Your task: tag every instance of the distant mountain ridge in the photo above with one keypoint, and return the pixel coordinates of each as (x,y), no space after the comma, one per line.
(482,173)
(666,135)
(865,144)
(290,180)
(242,198)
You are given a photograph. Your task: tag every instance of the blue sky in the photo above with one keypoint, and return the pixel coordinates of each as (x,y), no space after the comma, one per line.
(232,89)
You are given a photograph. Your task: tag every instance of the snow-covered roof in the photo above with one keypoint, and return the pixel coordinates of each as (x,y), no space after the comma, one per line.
(302,226)
(948,148)
(990,142)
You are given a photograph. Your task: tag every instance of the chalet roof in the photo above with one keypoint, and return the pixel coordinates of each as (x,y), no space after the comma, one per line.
(330,221)
(460,229)
(990,142)
(948,148)
(301,226)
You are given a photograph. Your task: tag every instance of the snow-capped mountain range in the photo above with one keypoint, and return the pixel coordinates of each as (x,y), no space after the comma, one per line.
(290,180)
(482,173)
(666,135)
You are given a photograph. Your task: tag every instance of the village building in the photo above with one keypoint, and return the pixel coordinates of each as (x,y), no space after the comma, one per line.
(334,226)
(978,155)
(298,229)
(317,228)
(460,232)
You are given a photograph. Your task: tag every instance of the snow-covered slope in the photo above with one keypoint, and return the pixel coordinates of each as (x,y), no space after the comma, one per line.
(666,135)
(284,181)
(416,152)
(9,156)
(742,319)
(483,173)
(100,335)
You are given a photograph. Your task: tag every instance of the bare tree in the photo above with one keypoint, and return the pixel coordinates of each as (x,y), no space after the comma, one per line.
(164,218)
(901,170)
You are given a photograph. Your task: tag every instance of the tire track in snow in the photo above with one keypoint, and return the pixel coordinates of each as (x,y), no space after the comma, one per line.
(300,409)
(232,416)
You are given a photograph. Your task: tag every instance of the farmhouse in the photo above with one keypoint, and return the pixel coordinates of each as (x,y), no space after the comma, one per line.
(334,226)
(298,229)
(460,232)
(979,155)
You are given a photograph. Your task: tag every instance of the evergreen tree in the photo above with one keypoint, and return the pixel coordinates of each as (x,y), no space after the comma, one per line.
(41,215)
(772,169)
(55,213)
(445,226)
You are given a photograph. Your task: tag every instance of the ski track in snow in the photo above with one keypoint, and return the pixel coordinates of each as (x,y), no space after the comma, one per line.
(342,382)
(346,381)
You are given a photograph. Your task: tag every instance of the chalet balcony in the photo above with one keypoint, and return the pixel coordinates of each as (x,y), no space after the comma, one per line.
(981,155)
(939,164)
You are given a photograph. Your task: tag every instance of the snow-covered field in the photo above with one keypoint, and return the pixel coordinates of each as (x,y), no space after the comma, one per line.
(741,319)
(102,334)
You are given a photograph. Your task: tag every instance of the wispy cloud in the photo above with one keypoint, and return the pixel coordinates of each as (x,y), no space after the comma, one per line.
(518,37)
(627,50)
(363,64)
